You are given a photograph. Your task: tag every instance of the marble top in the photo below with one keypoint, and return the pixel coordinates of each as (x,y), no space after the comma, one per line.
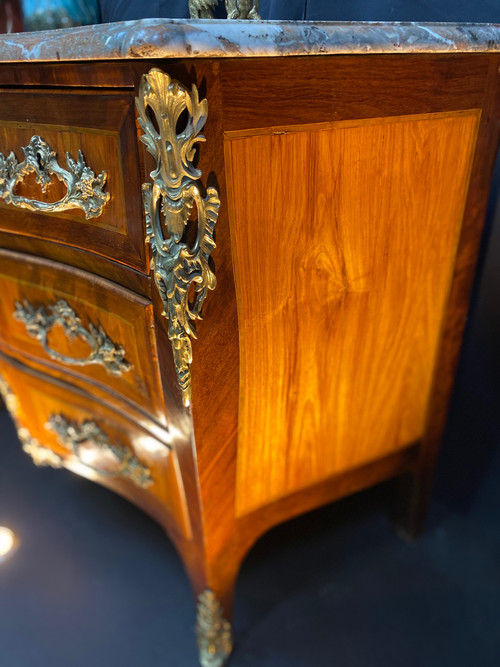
(181,38)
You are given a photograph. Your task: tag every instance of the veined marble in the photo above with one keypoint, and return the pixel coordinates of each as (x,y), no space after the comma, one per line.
(181,38)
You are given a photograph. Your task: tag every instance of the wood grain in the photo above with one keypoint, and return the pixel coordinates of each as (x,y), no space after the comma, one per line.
(102,126)
(86,75)
(414,498)
(258,94)
(334,260)
(344,242)
(251,97)
(125,317)
(81,259)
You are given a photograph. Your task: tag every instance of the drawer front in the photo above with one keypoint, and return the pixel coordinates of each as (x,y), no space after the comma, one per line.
(62,426)
(82,325)
(89,199)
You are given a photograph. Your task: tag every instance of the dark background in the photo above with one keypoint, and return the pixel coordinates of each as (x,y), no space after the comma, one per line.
(320,10)
(95,582)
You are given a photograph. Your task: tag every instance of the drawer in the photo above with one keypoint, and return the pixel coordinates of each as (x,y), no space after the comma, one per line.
(82,325)
(99,208)
(62,426)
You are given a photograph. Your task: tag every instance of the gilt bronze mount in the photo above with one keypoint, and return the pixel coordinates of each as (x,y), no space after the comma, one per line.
(168,204)
(42,456)
(39,323)
(84,189)
(214,634)
(74,436)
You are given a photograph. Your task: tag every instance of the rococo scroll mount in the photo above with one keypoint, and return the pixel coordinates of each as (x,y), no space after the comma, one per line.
(78,438)
(39,323)
(42,456)
(214,634)
(168,204)
(74,435)
(84,189)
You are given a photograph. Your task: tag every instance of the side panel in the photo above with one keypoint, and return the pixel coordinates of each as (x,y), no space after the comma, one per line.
(344,240)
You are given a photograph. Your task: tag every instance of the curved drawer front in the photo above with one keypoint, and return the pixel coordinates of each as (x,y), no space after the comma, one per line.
(61,426)
(81,324)
(69,171)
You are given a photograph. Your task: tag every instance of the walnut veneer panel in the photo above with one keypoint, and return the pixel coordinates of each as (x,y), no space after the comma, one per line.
(102,125)
(322,89)
(126,318)
(344,243)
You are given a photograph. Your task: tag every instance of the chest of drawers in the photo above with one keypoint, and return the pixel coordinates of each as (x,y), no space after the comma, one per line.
(315,192)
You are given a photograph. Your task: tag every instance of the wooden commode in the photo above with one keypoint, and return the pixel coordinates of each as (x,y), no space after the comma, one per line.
(235,265)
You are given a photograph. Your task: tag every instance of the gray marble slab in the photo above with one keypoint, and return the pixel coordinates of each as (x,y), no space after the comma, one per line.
(170,38)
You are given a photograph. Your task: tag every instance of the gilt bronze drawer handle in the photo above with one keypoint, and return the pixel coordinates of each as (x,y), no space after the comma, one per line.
(176,263)
(74,436)
(103,351)
(40,455)
(84,188)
